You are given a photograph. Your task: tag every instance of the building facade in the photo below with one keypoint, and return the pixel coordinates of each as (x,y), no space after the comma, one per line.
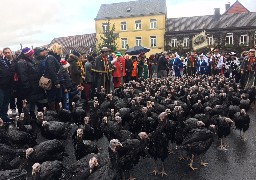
(137,23)
(232,31)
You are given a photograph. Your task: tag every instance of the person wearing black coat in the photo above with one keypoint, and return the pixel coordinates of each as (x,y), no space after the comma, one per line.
(162,66)
(6,80)
(50,69)
(29,74)
(128,69)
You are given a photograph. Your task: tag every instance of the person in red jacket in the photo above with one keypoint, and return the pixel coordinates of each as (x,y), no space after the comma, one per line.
(118,70)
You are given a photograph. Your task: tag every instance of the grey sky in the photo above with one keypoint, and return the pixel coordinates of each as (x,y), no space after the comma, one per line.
(37,22)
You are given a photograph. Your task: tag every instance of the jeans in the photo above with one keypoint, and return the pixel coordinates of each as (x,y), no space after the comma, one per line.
(5,95)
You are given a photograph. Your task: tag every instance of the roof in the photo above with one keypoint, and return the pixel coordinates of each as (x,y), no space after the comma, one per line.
(80,43)
(237,7)
(209,22)
(137,8)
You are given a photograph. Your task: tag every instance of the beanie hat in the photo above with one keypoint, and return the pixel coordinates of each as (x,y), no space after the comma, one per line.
(37,50)
(64,64)
(27,52)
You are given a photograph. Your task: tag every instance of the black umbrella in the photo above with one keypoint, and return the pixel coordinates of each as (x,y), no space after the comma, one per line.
(136,50)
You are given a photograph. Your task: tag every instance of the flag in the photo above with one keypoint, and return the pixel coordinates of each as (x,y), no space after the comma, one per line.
(199,41)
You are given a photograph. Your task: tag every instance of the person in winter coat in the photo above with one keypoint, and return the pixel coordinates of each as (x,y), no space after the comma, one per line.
(118,70)
(134,68)
(162,66)
(6,80)
(29,75)
(50,69)
(88,78)
(201,65)
(177,64)
(128,69)
(66,84)
(75,70)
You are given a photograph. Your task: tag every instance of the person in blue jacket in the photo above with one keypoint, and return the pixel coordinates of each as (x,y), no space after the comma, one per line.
(201,65)
(177,64)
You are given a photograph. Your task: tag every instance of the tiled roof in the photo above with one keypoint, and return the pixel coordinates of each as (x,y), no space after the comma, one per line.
(137,8)
(80,43)
(237,7)
(209,22)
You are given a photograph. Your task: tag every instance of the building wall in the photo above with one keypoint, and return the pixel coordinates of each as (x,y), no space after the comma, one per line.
(131,33)
(219,38)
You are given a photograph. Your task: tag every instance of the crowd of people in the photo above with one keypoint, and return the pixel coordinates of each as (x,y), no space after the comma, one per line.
(80,76)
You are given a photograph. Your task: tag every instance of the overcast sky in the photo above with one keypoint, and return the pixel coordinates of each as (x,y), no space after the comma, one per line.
(37,22)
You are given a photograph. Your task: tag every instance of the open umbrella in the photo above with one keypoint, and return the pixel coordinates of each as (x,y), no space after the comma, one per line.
(136,50)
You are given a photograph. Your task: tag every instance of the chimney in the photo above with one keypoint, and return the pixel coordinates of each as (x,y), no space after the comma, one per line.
(227,6)
(216,14)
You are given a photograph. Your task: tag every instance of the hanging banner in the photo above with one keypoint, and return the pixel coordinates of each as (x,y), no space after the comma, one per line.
(199,41)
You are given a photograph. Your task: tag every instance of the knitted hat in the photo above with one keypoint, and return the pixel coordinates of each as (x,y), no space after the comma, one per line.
(64,64)
(27,52)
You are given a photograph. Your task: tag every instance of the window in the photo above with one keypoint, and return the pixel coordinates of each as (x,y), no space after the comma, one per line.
(173,42)
(123,26)
(244,39)
(229,38)
(210,40)
(138,41)
(105,27)
(124,43)
(153,24)
(152,41)
(138,25)
(186,42)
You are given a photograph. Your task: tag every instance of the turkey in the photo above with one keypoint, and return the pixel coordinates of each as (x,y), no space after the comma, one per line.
(64,115)
(23,124)
(223,125)
(158,144)
(242,122)
(55,130)
(78,114)
(47,113)
(110,129)
(198,142)
(16,138)
(47,170)
(83,168)
(245,102)
(83,147)
(41,117)
(19,174)
(49,150)
(232,110)
(11,158)
(124,156)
